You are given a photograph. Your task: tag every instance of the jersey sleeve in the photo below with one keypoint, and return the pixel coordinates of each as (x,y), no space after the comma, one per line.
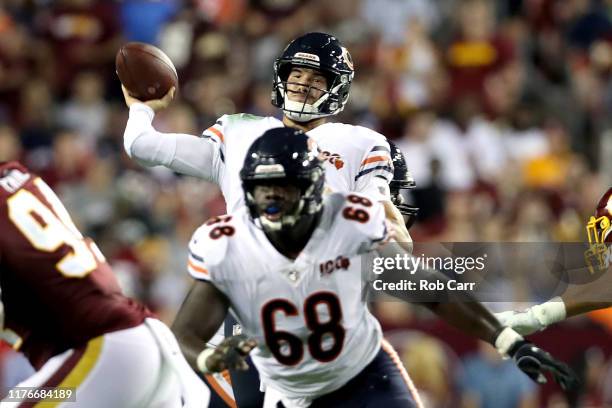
(186,154)
(205,260)
(196,262)
(216,134)
(375,172)
(365,223)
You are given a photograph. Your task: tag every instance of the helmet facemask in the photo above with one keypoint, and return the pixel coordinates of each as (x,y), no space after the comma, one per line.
(598,229)
(280,204)
(596,256)
(401,183)
(397,190)
(331,102)
(277,206)
(321,52)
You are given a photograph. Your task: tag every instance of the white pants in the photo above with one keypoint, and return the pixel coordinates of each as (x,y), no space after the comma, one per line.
(132,368)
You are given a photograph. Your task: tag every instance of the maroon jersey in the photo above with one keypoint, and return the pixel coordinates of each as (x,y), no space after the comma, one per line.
(57,289)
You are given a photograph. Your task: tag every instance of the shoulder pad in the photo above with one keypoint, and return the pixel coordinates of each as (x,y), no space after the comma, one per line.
(360,131)
(225,123)
(367,132)
(209,245)
(363,216)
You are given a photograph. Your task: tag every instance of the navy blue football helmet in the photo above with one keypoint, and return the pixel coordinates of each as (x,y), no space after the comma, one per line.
(286,157)
(325,54)
(402,180)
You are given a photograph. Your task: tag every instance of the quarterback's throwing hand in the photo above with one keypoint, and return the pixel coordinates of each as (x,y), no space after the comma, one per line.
(231,354)
(155,104)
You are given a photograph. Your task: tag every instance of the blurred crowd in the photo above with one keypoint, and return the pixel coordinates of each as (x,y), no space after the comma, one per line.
(501,108)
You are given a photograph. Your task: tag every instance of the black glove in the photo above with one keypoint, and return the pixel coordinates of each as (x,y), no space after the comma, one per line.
(231,353)
(534,362)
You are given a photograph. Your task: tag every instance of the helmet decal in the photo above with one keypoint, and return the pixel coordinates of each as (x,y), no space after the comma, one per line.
(347,58)
(306,56)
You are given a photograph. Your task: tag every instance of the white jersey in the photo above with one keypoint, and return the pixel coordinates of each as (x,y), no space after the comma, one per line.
(357,159)
(308,315)
(354,155)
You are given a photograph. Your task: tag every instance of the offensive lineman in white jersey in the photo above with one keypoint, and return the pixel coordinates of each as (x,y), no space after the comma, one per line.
(288,264)
(312,81)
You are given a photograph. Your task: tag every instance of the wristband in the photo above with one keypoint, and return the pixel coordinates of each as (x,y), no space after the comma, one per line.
(201,360)
(506,339)
(550,312)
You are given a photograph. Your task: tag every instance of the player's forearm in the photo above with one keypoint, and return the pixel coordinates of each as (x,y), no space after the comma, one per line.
(191,346)
(198,319)
(576,300)
(579,299)
(402,236)
(461,310)
(574,308)
(584,298)
(458,308)
(145,144)
(194,331)
(469,316)
(183,153)
(138,126)
(193,341)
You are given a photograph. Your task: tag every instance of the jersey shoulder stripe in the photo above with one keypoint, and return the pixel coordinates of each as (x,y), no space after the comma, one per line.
(216,131)
(197,267)
(377,153)
(219,131)
(210,244)
(378,160)
(217,134)
(382,170)
(204,253)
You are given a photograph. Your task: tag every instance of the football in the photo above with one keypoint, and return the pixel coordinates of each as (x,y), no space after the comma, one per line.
(145,71)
